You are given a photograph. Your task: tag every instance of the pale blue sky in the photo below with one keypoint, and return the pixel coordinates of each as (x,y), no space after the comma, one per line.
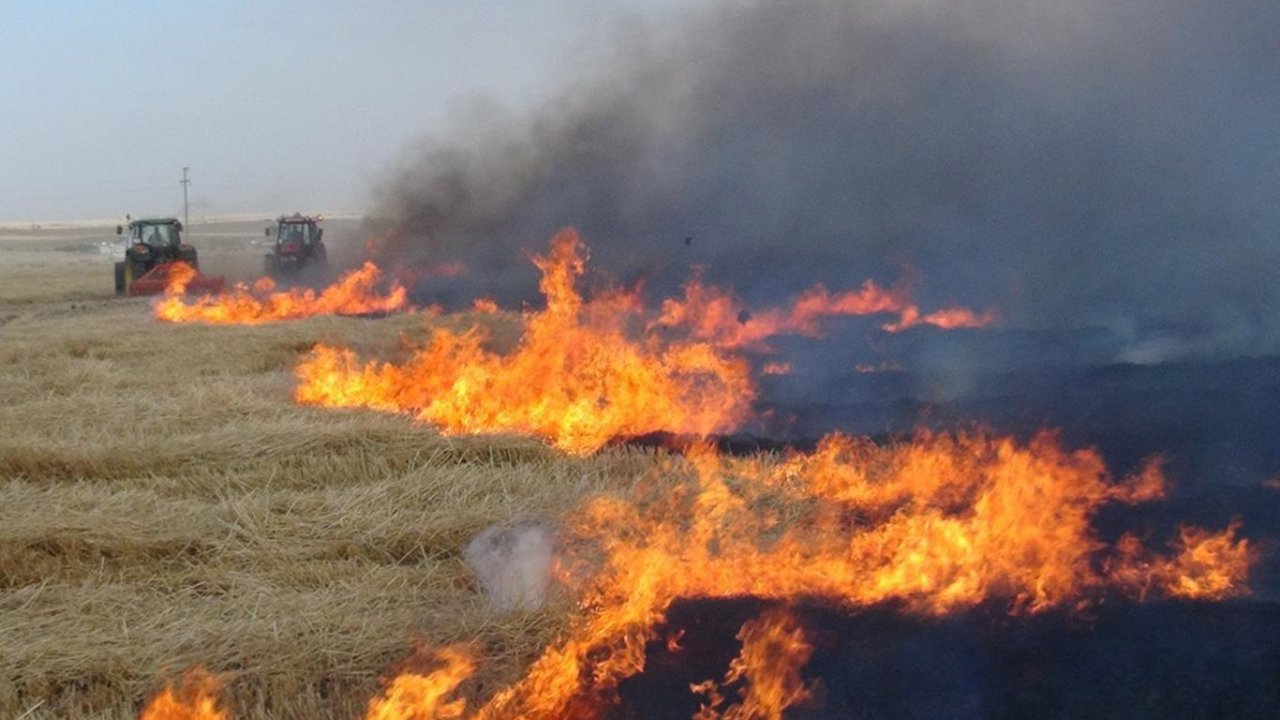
(273,105)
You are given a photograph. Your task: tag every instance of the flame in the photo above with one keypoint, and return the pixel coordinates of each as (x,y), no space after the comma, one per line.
(180,276)
(1208,566)
(716,315)
(353,294)
(774,650)
(776,368)
(487,306)
(195,698)
(946,318)
(884,367)
(411,696)
(931,525)
(575,378)
(934,525)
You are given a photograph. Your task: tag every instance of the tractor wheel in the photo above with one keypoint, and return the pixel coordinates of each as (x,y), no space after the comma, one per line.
(120,284)
(133,269)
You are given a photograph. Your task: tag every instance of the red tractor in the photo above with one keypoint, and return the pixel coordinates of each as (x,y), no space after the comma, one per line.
(299,244)
(155,244)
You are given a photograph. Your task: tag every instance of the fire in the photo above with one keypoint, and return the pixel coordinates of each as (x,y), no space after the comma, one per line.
(1208,566)
(774,650)
(716,315)
(576,378)
(355,293)
(195,698)
(884,367)
(412,696)
(931,525)
(487,306)
(934,524)
(776,368)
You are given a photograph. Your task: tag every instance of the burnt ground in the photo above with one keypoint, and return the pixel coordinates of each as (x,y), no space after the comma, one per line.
(1217,424)
(1216,421)
(1166,660)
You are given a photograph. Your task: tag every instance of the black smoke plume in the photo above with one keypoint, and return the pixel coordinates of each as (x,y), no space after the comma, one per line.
(1083,164)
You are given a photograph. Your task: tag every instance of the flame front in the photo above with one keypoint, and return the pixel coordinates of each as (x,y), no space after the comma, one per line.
(195,698)
(934,525)
(355,293)
(575,379)
(716,315)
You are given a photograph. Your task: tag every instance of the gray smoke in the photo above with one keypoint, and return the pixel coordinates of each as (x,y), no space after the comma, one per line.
(1076,164)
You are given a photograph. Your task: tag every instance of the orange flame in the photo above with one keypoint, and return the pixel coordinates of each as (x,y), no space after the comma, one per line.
(195,698)
(353,294)
(776,368)
(487,306)
(716,315)
(180,276)
(932,525)
(1208,566)
(411,696)
(575,378)
(774,651)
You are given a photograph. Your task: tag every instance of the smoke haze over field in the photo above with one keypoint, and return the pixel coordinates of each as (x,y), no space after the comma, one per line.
(1076,165)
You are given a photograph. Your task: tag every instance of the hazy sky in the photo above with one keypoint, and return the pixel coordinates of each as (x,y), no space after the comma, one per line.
(275,106)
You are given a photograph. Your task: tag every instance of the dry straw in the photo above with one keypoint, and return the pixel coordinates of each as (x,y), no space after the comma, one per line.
(164,504)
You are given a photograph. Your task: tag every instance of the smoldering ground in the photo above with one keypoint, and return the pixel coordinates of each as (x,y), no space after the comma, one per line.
(1089,164)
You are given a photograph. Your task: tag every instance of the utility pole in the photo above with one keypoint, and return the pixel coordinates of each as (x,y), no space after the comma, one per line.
(186,216)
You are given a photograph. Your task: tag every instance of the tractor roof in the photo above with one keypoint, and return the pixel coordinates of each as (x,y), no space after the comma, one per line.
(298,218)
(155,221)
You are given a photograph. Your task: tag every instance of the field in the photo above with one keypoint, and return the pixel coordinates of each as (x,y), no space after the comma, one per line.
(164,504)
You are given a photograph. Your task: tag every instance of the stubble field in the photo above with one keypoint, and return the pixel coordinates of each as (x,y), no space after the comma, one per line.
(164,504)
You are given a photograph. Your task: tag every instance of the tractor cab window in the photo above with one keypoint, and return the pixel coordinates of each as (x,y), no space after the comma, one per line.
(156,235)
(295,233)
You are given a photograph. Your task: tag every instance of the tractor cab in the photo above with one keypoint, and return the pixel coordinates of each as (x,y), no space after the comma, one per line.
(163,235)
(299,242)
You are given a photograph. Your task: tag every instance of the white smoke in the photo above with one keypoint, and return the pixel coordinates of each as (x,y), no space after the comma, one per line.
(513,564)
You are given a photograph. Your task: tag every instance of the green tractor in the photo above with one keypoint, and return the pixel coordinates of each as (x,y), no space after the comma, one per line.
(155,244)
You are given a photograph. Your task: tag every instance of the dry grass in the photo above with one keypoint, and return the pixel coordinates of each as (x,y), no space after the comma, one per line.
(164,504)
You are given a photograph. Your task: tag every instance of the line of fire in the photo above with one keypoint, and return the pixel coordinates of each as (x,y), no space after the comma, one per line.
(801,579)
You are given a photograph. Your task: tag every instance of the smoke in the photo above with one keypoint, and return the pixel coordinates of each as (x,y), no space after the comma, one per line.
(1090,164)
(513,564)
